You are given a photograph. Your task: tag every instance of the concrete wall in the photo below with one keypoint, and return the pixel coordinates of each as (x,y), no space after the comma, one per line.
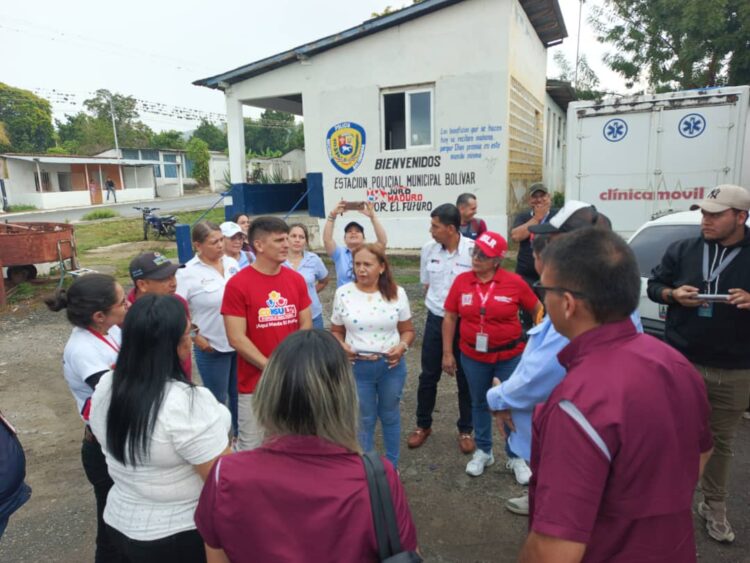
(466,54)
(217,167)
(555,121)
(291,166)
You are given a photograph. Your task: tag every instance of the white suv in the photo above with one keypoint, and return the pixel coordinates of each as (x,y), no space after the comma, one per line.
(649,244)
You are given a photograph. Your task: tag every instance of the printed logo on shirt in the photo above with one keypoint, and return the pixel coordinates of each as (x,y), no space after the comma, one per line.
(503,299)
(278,309)
(466,299)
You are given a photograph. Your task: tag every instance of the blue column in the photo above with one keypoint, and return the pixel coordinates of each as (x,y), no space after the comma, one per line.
(316,204)
(184,245)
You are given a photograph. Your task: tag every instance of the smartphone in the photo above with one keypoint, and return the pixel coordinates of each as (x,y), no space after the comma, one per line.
(354,205)
(713,297)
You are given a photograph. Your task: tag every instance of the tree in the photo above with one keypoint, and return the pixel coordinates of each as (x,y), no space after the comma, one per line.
(213,135)
(26,119)
(167,140)
(101,108)
(83,134)
(677,44)
(197,151)
(272,131)
(587,85)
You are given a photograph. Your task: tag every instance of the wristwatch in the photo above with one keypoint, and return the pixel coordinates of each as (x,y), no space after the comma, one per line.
(670,297)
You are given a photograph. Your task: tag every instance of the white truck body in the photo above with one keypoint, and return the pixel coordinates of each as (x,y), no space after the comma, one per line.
(637,158)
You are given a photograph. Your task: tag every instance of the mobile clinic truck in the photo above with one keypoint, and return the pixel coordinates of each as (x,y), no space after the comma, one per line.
(637,158)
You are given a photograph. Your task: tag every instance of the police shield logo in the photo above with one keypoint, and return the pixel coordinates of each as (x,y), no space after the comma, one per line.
(345,143)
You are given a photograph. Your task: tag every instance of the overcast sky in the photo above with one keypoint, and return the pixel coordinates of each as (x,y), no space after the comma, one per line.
(154,50)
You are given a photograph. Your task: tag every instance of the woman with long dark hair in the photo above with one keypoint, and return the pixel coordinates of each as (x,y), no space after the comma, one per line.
(309,266)
(160,435)
(302,496)
(95,305)
(372,321)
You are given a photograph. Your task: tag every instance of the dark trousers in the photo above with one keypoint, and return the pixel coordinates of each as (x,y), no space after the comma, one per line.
(432,369)
(185,547)
(95,466)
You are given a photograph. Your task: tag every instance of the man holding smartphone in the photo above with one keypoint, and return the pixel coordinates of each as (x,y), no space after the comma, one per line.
(354,237)
(705,282)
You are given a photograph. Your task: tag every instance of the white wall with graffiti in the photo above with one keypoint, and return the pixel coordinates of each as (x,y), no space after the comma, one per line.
(414,115)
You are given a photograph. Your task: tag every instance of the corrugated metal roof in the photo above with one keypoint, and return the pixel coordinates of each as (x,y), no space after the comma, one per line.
(67,159)
(562,92)
(545,16)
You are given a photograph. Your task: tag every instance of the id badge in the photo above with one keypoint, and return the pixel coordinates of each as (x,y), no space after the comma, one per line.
(482,344)
(706,310)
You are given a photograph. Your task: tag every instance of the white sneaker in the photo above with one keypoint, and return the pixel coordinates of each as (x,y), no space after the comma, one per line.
(478,462)
(518,505)
(520,470)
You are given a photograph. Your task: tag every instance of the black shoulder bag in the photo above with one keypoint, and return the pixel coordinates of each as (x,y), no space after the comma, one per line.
(386,529)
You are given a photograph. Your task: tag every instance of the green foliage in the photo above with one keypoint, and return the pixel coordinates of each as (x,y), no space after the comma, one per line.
(558,199)
(258,176)
(275,131)
(167,140)
(676,44)
(390,9)
(100,214)
(587,86)
(104,102)
(197,151)
(22,292)
(215,137)
(21,207)
(83,134)
(26,121)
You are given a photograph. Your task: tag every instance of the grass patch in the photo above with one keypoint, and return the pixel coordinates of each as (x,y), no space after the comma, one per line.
(406,279)
(21,207)
(100,214)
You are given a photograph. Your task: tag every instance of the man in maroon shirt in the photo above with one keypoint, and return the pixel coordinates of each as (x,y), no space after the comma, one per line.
(618,447)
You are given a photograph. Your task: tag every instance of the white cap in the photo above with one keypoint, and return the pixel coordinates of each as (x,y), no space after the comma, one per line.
(723,197)
(229,229)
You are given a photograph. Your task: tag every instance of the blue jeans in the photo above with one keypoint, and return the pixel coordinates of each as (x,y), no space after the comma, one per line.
(379,390)
(318,322)
(479,375)
(219,374)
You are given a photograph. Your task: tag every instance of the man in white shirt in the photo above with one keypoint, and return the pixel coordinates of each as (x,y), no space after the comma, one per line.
(448,255)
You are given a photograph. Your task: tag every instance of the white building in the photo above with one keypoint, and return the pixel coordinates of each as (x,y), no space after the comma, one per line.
(413,108)
(289,167)
(559,95)
(49,181)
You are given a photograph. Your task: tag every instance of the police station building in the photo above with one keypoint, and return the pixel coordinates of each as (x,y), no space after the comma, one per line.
(412,108)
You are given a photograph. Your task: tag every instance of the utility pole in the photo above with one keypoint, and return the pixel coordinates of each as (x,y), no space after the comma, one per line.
(578,45)
(114,126)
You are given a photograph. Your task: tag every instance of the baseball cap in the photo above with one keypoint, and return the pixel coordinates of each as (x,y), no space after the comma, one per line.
(354,225)
(229,229)
(570,217)
(723,197)
(492,244)
(538,187)
(152,266)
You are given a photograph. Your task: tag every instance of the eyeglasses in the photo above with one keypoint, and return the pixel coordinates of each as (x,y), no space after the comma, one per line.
(542,290)
(479,255)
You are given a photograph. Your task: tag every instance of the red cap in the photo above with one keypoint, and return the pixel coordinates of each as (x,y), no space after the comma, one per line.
(492,244)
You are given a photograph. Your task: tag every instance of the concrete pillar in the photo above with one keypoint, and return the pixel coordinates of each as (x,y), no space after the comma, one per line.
(236,139)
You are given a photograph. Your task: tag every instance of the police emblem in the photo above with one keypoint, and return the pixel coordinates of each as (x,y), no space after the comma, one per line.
(345,143)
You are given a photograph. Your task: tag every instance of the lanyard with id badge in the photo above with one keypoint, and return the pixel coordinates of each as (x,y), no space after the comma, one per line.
(706,310)
(483,340)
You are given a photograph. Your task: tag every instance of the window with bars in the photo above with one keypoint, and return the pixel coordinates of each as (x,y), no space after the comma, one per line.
(44,186)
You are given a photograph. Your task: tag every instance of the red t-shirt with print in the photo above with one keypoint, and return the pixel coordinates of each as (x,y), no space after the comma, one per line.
(505,293)
(271,305)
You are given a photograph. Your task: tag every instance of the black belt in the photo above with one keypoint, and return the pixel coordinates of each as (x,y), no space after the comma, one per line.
(509,346)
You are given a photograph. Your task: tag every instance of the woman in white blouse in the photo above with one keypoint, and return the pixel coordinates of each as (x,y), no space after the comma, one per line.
(372,321)
(160,435)
(201,283)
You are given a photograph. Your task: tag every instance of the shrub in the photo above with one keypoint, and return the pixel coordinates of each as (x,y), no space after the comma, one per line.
(100,214)
(21,207)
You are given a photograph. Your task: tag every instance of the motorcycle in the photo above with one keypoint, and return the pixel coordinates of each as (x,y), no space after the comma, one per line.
(158,225)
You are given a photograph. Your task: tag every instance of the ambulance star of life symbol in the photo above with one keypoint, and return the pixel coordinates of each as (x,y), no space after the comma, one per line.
(692,125)
(615,130)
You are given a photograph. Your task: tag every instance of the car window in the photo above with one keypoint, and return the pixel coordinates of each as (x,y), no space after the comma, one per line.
(651,243)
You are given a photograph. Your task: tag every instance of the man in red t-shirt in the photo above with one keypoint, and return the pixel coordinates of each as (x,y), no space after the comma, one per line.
(619,445)
(262,305)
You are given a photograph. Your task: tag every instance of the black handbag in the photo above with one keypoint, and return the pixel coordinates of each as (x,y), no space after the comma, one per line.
(383,515)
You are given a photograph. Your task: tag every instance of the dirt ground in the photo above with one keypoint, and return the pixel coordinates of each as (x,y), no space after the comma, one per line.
(458,518)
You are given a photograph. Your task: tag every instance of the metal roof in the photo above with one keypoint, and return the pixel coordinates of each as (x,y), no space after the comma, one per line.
(67,159)
(545,16)
(562,92)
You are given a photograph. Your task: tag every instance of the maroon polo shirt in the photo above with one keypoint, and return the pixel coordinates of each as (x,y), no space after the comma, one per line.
(648,406)
(296,499)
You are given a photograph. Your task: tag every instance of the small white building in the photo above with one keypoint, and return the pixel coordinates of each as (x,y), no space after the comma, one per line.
(289,167)
(410,109)
(49,181)
(559,95)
